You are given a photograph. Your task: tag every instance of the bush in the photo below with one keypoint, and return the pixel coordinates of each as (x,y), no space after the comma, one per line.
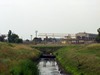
(18,40)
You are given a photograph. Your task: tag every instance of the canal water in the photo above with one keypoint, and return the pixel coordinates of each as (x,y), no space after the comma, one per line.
(49,67)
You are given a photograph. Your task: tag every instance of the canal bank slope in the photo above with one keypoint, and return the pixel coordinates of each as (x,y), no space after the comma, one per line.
(80,59)
(18,59)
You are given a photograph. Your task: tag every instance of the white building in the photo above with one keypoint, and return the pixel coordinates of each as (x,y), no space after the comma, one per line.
(86,36)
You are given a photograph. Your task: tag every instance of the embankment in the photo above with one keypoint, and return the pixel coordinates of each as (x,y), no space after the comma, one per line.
(80,59)
(17,59)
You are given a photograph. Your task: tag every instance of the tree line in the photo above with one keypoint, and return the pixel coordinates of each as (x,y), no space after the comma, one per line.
(11,38)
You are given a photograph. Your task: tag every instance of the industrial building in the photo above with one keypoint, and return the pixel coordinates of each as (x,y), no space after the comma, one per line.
(78,38)
(86,36)
(83,37)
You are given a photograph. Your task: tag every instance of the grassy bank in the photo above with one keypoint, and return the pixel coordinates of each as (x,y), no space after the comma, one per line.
(80,59)
(12,55)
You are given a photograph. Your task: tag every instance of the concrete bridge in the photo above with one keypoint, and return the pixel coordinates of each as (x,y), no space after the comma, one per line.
(47,48)
(47,51)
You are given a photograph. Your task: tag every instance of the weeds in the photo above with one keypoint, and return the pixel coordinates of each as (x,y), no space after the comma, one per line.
(80,59)
(12,54)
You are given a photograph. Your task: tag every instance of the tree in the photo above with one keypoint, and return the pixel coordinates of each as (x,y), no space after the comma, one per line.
(98,37)
(9,35)
(98,31)
(13,38)
(2,38)
(18,40)
(37,40)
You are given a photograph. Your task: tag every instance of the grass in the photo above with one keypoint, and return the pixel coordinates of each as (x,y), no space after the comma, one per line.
(80,59)
(25,67)
(12,54)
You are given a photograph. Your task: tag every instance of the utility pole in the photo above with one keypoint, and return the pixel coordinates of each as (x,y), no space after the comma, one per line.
(31,37)
(36,33)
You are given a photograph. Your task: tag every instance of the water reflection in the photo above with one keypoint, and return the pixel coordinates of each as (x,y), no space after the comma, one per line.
(49,67)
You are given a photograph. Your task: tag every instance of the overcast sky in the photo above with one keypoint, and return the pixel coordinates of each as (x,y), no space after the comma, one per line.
(23,17)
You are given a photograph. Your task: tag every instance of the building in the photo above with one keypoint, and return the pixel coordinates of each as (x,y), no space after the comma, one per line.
(85,37)
(80,38)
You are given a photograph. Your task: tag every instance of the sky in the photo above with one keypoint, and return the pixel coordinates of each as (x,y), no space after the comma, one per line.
(24,17)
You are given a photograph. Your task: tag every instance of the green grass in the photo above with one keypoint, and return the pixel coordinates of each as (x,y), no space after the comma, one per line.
(80,59)
(12,54)
(24,67)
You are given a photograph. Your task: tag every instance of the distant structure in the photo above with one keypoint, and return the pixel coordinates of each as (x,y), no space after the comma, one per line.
(58,38)
(78,38)
(53,35)
(86,36)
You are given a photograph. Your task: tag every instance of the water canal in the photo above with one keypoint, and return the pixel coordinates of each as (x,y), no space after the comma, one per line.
(47,64)
(49,67)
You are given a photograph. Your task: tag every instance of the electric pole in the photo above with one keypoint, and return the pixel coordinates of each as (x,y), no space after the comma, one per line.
(31,37)
(36,33)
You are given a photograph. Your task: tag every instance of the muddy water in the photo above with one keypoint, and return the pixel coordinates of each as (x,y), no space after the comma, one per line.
(49,67)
